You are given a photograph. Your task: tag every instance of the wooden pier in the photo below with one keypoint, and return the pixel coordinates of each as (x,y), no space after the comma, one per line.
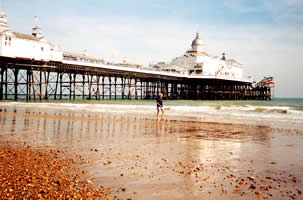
(44,80)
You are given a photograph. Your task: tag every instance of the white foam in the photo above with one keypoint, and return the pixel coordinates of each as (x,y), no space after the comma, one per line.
(276,115)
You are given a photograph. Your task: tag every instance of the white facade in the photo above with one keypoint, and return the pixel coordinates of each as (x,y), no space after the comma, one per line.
(197,61)
(35,46)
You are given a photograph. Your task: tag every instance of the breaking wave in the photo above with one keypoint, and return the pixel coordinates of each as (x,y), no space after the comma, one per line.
(255,113)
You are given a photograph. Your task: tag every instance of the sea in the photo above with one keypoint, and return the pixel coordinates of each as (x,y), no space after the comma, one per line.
(203,148)
(278,113)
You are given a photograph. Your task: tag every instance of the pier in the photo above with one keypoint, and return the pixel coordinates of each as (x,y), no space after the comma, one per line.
(34,80)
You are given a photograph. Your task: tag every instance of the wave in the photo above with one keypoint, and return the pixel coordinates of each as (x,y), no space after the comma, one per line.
(240,114)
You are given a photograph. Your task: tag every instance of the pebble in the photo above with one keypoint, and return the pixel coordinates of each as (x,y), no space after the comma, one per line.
(43,174)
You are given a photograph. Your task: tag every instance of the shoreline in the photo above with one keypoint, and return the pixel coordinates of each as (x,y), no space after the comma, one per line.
(172,113)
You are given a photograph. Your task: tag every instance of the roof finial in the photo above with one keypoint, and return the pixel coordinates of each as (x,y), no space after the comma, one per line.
(198,35)
(36,29)
(223,56)
(36,20)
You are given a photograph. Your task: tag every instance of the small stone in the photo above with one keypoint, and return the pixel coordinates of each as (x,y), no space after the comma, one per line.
(252,187)
(258,193)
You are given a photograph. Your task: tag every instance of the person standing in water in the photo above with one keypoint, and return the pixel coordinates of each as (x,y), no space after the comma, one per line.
(160,107)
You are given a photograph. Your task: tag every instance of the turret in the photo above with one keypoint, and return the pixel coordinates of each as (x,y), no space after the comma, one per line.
(36,29)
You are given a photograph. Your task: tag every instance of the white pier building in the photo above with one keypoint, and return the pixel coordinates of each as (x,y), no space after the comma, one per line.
(198,62)
(34,46)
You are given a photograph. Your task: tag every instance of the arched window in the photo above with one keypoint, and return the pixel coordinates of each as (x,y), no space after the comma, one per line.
(8,41)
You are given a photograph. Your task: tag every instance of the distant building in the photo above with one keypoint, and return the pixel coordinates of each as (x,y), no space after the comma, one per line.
(197,61)
(82,57)
(125,63)
(34,46)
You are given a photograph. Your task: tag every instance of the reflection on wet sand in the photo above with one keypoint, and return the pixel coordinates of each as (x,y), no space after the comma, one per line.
(167,160)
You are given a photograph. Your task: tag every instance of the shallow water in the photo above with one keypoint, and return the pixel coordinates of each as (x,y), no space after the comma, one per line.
(279,114)
(159,160)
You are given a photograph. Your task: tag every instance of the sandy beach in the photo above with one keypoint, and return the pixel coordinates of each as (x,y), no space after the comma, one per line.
(140,158)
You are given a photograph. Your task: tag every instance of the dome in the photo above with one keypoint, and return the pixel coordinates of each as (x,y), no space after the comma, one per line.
(197,40)
(197,44)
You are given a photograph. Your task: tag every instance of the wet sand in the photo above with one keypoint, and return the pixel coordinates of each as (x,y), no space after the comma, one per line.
(140,158)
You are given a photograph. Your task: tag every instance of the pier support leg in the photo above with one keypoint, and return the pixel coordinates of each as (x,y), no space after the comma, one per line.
(56,86)
(1,83)
(29,84)
(154,85)
(98,88)
(46,77)
(129,89)
(115,87)
(16,71)
(122,86)
(6,84)
(83,86)
(110,87)
(40,85)
(157,89)
(33,85)
(89,87)
(103,88)
(147,90)
(141,89)
(61,89)
(136,92)
(74,89)
(70,86)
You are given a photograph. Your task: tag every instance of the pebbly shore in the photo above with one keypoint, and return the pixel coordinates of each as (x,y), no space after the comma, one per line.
(28,173)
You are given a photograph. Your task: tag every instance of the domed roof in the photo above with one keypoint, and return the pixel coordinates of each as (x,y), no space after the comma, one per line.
(197,40)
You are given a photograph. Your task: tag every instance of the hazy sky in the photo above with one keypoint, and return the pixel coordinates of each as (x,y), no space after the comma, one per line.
(264,35)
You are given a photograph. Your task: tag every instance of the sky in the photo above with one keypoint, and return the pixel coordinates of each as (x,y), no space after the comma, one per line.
(266,36)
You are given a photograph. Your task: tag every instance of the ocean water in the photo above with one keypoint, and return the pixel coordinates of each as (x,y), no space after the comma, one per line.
(280,112)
